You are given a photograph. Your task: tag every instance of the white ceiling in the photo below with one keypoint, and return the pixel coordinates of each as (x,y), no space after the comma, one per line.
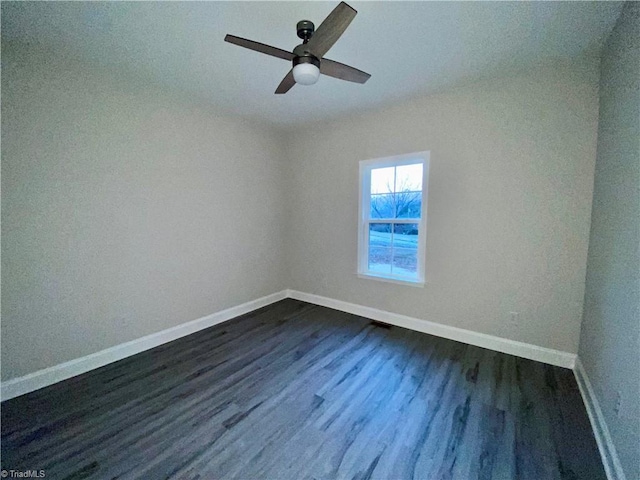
(409,48)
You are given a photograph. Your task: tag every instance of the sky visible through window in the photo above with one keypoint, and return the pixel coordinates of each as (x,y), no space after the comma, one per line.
(396,194)
(392,179)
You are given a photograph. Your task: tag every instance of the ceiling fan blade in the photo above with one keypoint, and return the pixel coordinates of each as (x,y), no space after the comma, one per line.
(342,71)
(287,82)
(330,30)
(259,47)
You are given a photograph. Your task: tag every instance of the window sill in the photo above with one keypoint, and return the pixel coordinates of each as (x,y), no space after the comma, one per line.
(398,281)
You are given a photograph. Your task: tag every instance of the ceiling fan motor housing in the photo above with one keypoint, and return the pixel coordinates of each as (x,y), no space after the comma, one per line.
(304,56)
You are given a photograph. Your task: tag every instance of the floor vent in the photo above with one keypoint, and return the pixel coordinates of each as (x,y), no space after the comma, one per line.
(381,324)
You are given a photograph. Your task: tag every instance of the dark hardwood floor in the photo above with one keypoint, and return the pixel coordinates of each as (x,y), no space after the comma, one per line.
(296,391)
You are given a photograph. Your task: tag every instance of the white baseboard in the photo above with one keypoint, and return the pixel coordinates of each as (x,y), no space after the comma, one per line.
(48,376)
(610,459)
(512,347)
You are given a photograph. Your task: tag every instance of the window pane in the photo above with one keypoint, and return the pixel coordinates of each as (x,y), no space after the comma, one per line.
(408,188)
(409,177)
(382,180)
(405,250)
(382,205)
(380,239)
(380,234)
(380,260)
(405,262)
(408,204)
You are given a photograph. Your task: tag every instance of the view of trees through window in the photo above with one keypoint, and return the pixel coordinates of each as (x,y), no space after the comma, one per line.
(396,205)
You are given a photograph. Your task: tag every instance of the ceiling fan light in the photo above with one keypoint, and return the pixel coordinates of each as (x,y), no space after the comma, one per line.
(306,73)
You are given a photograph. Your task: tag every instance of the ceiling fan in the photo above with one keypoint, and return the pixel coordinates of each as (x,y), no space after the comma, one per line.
(307,58)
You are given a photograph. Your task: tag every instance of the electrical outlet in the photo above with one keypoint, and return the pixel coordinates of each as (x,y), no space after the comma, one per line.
(514,318)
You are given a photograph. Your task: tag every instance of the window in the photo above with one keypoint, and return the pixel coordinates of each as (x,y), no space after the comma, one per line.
(392,229)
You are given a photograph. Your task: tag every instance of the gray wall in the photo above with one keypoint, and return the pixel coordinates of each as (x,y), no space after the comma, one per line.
(510,189)
(610,338)
(125,210)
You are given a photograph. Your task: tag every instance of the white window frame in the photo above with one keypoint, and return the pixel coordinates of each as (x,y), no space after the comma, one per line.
(364,213)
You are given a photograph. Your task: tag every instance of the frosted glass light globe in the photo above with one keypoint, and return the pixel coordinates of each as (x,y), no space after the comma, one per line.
(306,73)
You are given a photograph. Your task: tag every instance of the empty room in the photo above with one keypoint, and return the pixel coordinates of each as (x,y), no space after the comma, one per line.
(320,240)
